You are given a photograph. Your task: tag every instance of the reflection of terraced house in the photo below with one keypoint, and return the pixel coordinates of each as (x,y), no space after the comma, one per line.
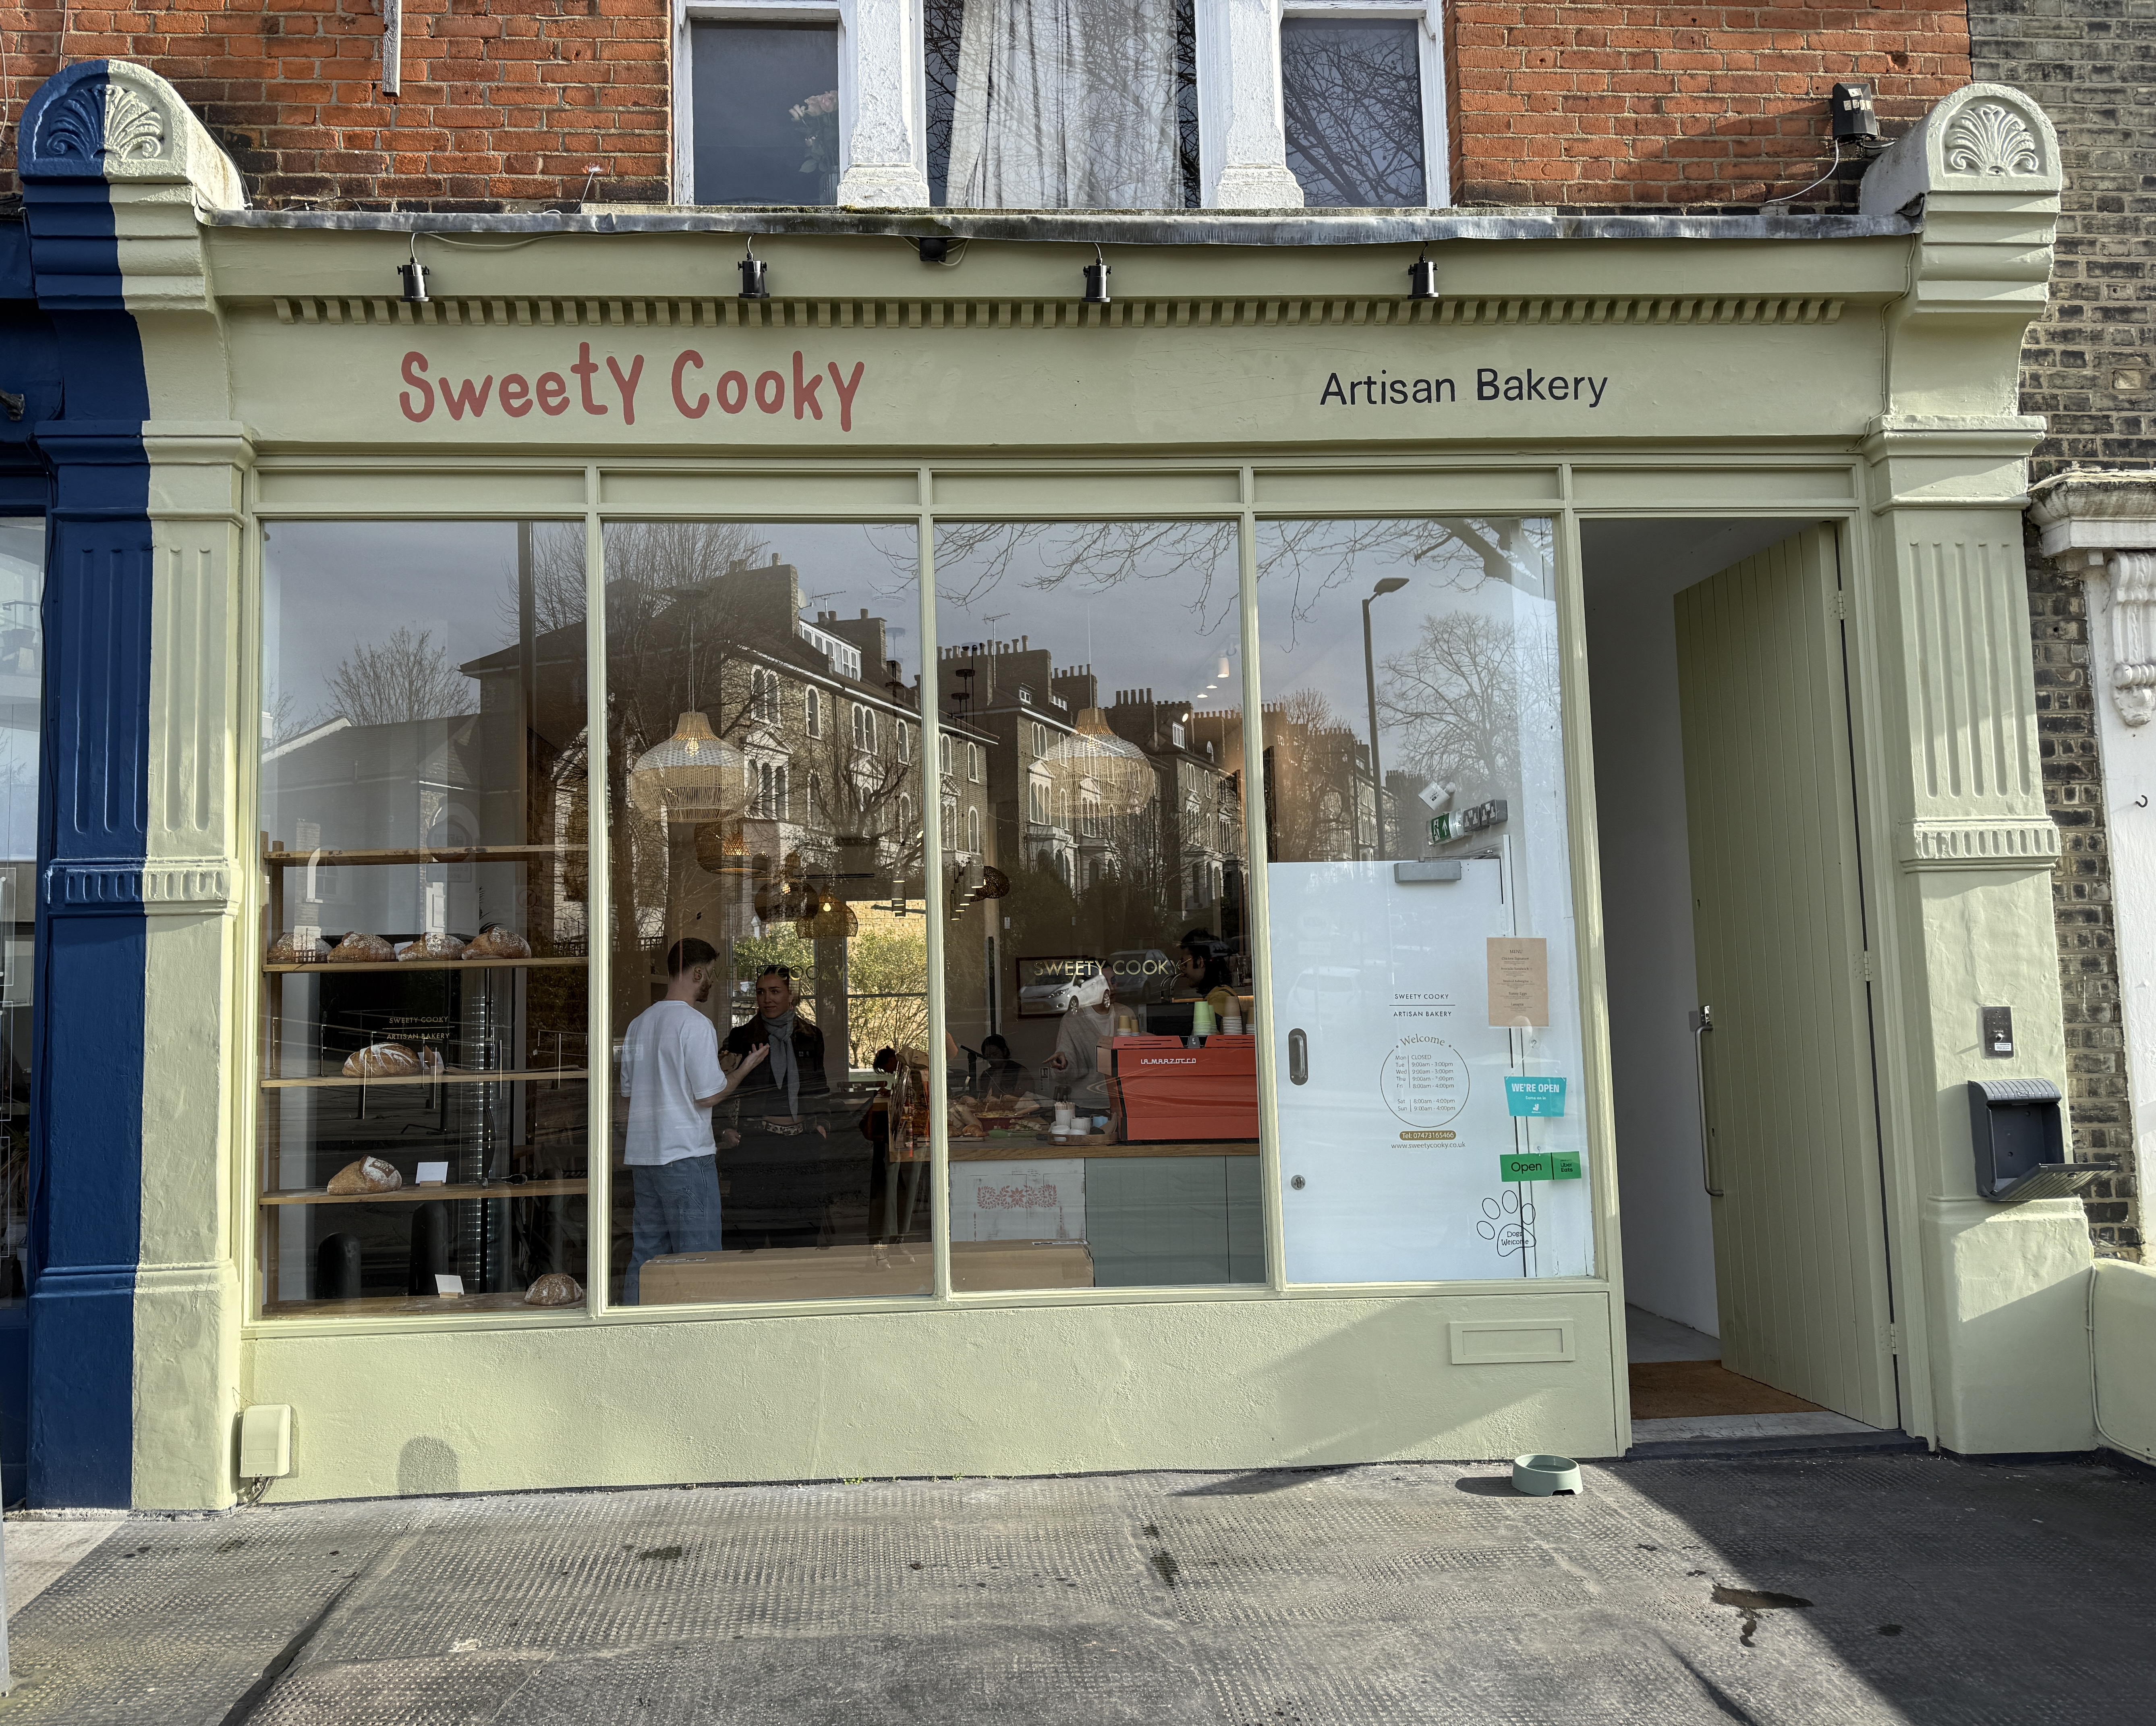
(1194,830)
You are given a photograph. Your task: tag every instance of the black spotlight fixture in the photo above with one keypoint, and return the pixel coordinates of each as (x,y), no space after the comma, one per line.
(1096,279)
(1854,121)
(414,276)
(934,251)
(1422,278)
(756,280)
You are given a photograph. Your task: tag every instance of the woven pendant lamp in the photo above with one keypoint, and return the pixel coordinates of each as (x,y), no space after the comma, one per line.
(1093,759)
(694,776)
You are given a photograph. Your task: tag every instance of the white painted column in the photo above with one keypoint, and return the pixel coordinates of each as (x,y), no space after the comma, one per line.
(880,79)
(1242,147)
(2105,525)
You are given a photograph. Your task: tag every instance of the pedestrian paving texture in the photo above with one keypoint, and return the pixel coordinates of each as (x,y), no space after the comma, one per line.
(1844,1588)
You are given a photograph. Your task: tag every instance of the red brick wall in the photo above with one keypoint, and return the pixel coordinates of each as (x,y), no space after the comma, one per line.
(1584,104)
(1708,107)
(503,100)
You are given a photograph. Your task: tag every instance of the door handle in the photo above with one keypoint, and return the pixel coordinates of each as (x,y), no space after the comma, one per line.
(1298,1058)
(1702,1022)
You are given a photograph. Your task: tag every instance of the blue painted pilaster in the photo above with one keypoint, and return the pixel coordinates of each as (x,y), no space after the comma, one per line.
(86,1092)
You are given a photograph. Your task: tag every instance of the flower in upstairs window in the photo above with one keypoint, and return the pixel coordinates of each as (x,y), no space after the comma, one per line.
(818,117)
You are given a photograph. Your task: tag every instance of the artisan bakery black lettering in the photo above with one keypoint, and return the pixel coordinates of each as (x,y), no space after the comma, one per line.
(1533,386)
(517,394)
(1386,390)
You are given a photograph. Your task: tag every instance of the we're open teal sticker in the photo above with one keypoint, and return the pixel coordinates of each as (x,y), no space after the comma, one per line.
(1534,1096)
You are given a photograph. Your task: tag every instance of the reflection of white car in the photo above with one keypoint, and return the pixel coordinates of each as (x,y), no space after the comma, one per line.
(1058,995)
(1142,974)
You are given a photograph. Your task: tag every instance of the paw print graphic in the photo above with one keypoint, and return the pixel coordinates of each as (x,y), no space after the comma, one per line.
(1508,1221)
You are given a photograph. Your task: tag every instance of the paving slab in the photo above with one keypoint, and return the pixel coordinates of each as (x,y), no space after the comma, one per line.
(1848,1588)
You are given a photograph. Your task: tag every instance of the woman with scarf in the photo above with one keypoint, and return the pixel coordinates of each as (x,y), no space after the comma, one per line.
(786,1169)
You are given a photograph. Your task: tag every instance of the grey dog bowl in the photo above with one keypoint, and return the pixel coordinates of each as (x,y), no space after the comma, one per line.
(1544,1476)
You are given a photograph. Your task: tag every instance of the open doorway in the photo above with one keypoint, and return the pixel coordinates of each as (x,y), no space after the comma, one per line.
(1754,1260)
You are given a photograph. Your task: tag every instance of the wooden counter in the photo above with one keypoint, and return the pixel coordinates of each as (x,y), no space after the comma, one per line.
(1035,1149)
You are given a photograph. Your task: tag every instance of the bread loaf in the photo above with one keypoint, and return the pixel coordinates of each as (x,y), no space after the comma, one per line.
(435,946)
(285,950)
(556,1288)
(388,1061)
(370,1174)
(494,942)
(359,948)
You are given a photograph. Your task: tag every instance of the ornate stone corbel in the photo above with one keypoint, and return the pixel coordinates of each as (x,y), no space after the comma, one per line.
(2105,525)
(121,123)
(1985,138)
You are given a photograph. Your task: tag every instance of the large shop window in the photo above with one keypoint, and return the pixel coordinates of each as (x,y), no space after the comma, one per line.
(1061,103)
(21,681)
(424,918)
(779,773)
(1101,1060)
(1426,1014)
(769,957)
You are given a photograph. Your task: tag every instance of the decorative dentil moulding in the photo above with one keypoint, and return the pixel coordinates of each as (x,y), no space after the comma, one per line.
(2105,523)
(116,121)
(1984,138)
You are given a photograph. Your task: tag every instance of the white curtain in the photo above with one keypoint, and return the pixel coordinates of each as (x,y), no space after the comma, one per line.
(1066,105)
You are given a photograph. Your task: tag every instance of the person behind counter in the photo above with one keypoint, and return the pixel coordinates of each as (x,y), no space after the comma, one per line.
(999,1072)
(784,1174)
(1205,976)
(670,1073)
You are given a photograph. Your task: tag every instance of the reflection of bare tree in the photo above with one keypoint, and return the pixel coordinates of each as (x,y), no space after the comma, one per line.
(409,676)
(1460,699)
(974,559)
(654,556)
(1351,93)
(1317,799)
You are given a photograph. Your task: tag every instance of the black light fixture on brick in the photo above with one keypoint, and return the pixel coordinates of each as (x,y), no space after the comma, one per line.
(756,280)
(1096,279)
(1855,122)
(1422,278)
(414,276)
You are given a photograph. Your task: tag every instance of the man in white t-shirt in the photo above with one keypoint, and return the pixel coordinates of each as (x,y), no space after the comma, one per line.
(671,1077)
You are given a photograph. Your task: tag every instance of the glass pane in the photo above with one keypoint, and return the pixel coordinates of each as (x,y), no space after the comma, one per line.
(769,921)
(423,1001)
(1351,97)
(767,119)
(1078,105)
(1420,903)
(22,678)
(1102,1067)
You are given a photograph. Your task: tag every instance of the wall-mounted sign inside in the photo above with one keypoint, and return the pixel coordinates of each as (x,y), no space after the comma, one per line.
(1458,824)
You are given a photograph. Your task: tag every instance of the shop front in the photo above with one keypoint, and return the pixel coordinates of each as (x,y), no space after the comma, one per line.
(1107,783)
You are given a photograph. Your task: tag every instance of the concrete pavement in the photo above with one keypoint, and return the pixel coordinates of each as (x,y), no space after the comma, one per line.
(1847,1588)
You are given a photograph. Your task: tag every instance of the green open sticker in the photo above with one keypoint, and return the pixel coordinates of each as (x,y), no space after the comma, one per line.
(1539,1165)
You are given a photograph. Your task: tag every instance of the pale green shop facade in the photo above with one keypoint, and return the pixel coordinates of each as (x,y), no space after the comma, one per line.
(1859,373)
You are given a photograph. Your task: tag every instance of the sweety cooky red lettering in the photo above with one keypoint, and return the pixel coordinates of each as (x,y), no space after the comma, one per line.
(608,386)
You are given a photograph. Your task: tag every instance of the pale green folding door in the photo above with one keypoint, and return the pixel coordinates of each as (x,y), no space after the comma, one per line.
(1799,1238)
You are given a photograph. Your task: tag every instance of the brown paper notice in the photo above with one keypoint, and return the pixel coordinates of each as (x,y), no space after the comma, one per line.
(1519,980)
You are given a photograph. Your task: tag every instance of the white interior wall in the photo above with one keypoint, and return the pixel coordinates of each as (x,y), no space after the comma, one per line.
(1634,570)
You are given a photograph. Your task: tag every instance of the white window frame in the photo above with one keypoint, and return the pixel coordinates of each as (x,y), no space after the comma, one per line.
(1436,138)
(883,151)
(812,711)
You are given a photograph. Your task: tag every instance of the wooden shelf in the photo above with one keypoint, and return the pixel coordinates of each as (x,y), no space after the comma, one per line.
(425,965)
(410,1195)
(451,1078)
(1010,1150)
(425,853)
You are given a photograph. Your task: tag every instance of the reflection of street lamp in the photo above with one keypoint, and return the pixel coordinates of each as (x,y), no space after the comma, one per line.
(1390,584)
